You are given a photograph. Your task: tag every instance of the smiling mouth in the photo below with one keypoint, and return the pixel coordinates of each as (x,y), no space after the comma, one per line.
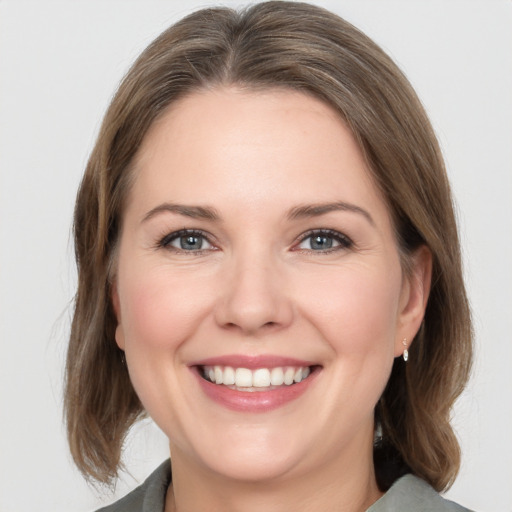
(260,379)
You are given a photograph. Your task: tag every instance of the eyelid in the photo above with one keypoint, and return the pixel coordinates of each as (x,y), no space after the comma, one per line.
(344,241)
(164,242)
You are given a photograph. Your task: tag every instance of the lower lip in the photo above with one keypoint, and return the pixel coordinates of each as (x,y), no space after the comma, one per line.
(255,401)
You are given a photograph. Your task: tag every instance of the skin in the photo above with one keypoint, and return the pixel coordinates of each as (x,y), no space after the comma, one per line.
(257,286)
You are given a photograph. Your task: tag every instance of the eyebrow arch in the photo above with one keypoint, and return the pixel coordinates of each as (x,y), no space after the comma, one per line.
(315,210)
(195,212)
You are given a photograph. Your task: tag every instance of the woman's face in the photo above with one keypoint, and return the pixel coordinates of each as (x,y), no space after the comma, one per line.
(256,252)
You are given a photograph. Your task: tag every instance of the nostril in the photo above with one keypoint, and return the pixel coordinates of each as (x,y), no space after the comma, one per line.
(251,329)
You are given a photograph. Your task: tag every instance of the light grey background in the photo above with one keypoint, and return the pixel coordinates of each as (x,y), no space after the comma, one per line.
(60,63)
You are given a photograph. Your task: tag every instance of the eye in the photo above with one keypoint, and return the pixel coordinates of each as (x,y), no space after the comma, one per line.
(324,240)
(186,240)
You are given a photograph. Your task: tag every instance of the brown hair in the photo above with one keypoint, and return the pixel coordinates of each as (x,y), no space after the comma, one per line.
(305,48)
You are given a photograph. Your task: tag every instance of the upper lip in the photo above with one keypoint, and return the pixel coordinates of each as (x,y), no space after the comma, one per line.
(253,362)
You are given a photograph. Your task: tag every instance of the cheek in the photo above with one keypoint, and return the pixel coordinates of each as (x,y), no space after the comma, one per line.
(356,307)
(157,313)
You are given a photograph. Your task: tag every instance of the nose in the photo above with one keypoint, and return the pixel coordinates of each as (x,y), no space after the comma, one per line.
(253,298)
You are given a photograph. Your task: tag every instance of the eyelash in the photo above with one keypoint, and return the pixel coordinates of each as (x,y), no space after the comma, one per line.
(165,242)
(344,241)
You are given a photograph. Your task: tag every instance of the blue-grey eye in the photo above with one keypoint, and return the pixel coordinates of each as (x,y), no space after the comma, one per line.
(191,242)
(324,241)
(187,241)
(321,242)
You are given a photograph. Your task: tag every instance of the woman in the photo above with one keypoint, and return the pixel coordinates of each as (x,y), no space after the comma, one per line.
(269,267)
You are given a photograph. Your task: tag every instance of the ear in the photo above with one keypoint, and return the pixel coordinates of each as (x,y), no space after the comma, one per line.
(414,297)
(116,304)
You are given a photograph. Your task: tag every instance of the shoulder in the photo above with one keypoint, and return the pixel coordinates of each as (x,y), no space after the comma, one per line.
(148,497)
(414,495)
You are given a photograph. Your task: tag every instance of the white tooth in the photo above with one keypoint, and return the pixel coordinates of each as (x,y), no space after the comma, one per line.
(288,376)
(229,376)
(261,378)
(305,373)
(218,374)
(276,376)
(298,375)
(211,375)
(243,378)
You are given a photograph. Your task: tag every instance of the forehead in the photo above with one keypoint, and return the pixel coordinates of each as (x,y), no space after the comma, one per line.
(258,147)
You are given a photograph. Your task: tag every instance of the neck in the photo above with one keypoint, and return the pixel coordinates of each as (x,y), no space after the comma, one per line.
(341,485)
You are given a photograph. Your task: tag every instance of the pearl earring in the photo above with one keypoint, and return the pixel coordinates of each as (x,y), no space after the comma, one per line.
(406,353)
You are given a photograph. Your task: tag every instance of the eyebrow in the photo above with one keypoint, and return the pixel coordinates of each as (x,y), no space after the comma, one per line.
(316,210)
(194,212)
(298,212)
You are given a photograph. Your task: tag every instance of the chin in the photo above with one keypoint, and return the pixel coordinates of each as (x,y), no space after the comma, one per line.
(254,469)
(248,453)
